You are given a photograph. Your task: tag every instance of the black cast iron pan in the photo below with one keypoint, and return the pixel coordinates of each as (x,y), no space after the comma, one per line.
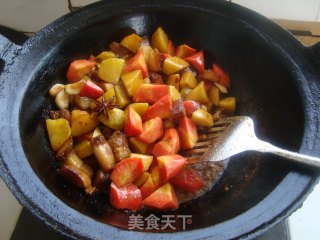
(274,77)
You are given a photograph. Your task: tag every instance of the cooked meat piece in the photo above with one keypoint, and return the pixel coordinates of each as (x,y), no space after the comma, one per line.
(119,144)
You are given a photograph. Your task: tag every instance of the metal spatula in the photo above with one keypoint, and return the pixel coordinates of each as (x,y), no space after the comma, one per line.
(233,135)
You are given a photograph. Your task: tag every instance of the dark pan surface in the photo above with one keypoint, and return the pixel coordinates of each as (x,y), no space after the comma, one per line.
(255,191)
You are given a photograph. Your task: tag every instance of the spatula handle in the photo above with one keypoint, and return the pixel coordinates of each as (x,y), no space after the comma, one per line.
(297,157)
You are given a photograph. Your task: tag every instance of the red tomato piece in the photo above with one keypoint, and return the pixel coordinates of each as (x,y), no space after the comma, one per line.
(224,77)
(152,130)
(147,188)
(162,109)
(78,69)
(126,171)
(126,197)
(169,144)
(132,123)
(164,198)
(188,179)
(190,106)
(137,62)
(197,61)
(150,93)
(170,166)
(184,51)
(188,133)
(91,90)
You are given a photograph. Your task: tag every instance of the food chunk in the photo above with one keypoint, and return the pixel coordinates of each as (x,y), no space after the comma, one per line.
(59,131)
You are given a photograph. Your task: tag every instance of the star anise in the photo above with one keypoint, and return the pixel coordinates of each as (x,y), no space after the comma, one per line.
(105,105)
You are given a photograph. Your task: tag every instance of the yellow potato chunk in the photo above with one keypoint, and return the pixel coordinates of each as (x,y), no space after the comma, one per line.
(59,131)
(83,149)
(140,108)
(214,95)
(132,81)
(174,93)
(188,80)
(174,80)
(173,65)
(160,40)
(202,118)
(121,95)
(138,146)
(106,54)
(116,119)
(82,122)
(131,42)
(110,69)
(228,104)
(198,94)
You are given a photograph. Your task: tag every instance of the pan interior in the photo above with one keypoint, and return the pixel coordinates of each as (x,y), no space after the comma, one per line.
(262,82)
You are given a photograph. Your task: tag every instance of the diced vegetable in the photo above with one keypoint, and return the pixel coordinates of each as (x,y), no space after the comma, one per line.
(126,171)
(164,198)
(188,179)
(106,54)
(146,160)
(150,93)
(138,146)
(84,149)
(82,122)
(160,40)
(214,95)
(152,130)
(110,69)
(173,65)
(78,69)
(140,108)
(142,179)
(168,145)
(190,106)
(202,118)
(122,96)
(148,187)
(174,80)
(162,109)
(198,94)
(59,131)
(188,133)
(132,123)
(126,197)
(188,80)
(115,120)
(137,62)
(132,81)
(91,90)
(224,77)
(228,104)
(197,61)
(74,88)
(170,166)
(132,42)
(184,51)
